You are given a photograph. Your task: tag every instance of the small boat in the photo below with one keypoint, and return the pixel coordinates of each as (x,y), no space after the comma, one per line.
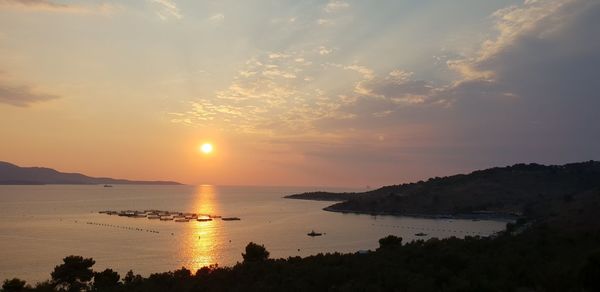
(204,219)
(166,218)
(230,219)
(153,217)
(181,219)
(107,186)
(190,216)
(420,234)
(313,234)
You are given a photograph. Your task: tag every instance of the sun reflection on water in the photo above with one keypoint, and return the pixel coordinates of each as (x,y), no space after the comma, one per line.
(203,248)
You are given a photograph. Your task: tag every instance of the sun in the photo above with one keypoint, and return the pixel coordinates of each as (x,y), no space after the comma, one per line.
(206,148)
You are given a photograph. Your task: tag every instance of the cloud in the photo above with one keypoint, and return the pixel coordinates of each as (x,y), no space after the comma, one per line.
(217,18)
(336,5)
(529,93)
(21,95)
(52,6)
(532,91)
(35,4)
(540,46)
(323,21)
(273,94)
(168,9)
(367,73)
(324,51)
(512,25)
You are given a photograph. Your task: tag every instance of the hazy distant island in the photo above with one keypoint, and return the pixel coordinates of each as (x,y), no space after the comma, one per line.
(11,174)
(495,192)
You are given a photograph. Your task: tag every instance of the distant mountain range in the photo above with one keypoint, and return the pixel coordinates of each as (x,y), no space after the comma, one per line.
(11,174)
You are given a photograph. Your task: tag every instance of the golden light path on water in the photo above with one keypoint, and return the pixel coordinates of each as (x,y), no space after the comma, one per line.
(201,247)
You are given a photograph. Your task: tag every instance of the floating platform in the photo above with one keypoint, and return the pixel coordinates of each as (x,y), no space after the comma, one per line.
(154,214)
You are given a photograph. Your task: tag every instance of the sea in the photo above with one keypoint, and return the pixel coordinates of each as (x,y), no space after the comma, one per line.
(42,224)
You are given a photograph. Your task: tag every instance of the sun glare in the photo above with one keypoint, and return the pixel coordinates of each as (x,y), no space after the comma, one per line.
(206,148)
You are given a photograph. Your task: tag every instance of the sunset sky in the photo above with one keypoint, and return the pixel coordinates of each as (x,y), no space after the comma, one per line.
(336,93)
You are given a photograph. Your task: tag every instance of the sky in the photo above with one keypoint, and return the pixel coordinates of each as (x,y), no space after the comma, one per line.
(315,93)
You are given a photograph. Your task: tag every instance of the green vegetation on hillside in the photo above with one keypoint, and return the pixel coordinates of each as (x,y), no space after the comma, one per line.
(513,190)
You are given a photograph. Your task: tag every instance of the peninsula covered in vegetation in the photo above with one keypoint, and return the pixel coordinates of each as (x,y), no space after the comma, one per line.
(496,192)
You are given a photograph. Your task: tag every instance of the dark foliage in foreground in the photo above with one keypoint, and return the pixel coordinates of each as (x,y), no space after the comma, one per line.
(540,259)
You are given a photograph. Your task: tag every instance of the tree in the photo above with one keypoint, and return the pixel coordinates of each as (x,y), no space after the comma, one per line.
(74,274)
(590,273)
(390,241)
(132,281)
(13,285)
(255,253)
(182,273)
(107,280)
(45,286)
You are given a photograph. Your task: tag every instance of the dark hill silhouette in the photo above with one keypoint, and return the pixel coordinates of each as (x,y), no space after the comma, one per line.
(510,190)
(11,174)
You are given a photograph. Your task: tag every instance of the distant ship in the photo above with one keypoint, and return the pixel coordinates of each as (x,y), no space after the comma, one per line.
(107,186)
(313,234)
(420,234)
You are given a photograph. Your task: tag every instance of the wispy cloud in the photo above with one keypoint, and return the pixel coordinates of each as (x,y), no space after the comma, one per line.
(167,9)
(53,6)
(272,94)
(511,23)
(323,21)
(324,50)
(21,95)
(336,5)
(217,18)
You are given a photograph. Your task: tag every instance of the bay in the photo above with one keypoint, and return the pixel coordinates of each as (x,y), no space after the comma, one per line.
(40,225)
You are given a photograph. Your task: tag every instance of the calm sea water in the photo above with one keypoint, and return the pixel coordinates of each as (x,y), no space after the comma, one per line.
(40,225)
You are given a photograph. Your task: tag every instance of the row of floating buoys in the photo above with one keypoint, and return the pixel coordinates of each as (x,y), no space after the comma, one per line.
(121,227)
(436,229)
